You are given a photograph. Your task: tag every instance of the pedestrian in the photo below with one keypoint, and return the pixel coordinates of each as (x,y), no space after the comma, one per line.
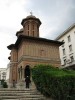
(14,83)
(27,80)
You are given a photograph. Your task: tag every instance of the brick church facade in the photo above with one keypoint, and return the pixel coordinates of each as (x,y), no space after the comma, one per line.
(30,50)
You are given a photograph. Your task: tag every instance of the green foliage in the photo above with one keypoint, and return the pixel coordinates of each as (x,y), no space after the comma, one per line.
(5,85)
(53,82)
(2,81)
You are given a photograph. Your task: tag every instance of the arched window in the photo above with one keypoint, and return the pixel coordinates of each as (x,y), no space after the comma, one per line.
(28,27)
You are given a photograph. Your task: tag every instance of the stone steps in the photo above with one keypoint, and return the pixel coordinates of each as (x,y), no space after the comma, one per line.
(20,94)
(21,97)
(24,99)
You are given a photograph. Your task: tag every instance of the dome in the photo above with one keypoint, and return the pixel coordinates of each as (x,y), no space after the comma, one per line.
(20,32)
(30,17)
(21,29)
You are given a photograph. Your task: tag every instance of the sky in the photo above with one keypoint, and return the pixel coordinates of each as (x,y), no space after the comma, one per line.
(56,16)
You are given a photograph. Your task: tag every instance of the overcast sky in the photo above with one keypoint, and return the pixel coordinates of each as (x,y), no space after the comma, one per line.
(55,15)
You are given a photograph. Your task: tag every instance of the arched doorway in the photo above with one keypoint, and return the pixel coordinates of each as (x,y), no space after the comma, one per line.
(27,71)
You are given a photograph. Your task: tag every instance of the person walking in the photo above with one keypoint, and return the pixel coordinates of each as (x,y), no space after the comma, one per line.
(14,84)
(27,80)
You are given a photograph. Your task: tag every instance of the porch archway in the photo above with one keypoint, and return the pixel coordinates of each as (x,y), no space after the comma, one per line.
(27,71)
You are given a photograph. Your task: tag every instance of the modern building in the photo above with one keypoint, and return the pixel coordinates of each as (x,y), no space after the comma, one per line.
(2,73)
(67,50)
(8,73)
(30,50)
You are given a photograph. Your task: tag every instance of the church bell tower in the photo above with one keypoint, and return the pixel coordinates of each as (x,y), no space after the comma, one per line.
(30,26)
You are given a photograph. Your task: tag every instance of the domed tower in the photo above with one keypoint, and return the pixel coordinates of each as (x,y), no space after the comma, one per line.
(30,26)
(20,32)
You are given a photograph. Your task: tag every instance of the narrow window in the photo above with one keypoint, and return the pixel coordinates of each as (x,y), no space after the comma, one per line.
(63,51)
(63,42)
(33,33)
(70,47)
(33,27)
(72,59)
(28,27)
(64,61)
(28,33)
(69,38)
(42,52)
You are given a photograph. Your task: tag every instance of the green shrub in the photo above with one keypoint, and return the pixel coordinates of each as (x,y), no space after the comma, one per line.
(2,81)
(5,85)
(55,83)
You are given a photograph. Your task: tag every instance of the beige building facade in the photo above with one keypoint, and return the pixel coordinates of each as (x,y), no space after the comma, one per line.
(67,50)
(30,50)
(3,73)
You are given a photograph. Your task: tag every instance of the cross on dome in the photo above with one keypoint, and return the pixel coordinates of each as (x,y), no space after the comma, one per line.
(31,13)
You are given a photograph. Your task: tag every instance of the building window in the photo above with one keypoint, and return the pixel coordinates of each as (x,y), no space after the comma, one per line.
(28,33)
(63,51)
(72,58)
(28,27)
(69,38)
(33,33)
(33,27)
(70,47)
(4,75)
(63,42)
(64,61)
(42,52)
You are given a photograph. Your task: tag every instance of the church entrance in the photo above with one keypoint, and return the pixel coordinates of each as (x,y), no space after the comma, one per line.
(27,71)
(27,76)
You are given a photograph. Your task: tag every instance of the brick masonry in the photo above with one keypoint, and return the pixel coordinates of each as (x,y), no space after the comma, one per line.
(31,51)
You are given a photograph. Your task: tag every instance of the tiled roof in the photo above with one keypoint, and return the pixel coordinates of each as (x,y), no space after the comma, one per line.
(21,37)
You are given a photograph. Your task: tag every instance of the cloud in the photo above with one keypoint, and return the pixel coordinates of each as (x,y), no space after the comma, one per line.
(11,14)
(55,15)
(61,16)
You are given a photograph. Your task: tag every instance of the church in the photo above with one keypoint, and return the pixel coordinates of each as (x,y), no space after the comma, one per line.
(30,50)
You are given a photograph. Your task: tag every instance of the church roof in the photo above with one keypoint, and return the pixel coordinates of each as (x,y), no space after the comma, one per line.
(21,37)
(20,31)
(30,17)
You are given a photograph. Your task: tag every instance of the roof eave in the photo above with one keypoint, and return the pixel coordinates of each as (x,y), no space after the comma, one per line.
(65,32)
(11,46)
(25,19)
(35,38)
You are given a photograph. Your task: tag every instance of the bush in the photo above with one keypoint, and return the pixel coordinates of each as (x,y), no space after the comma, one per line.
(53,82)
(5,85)
(2,81)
